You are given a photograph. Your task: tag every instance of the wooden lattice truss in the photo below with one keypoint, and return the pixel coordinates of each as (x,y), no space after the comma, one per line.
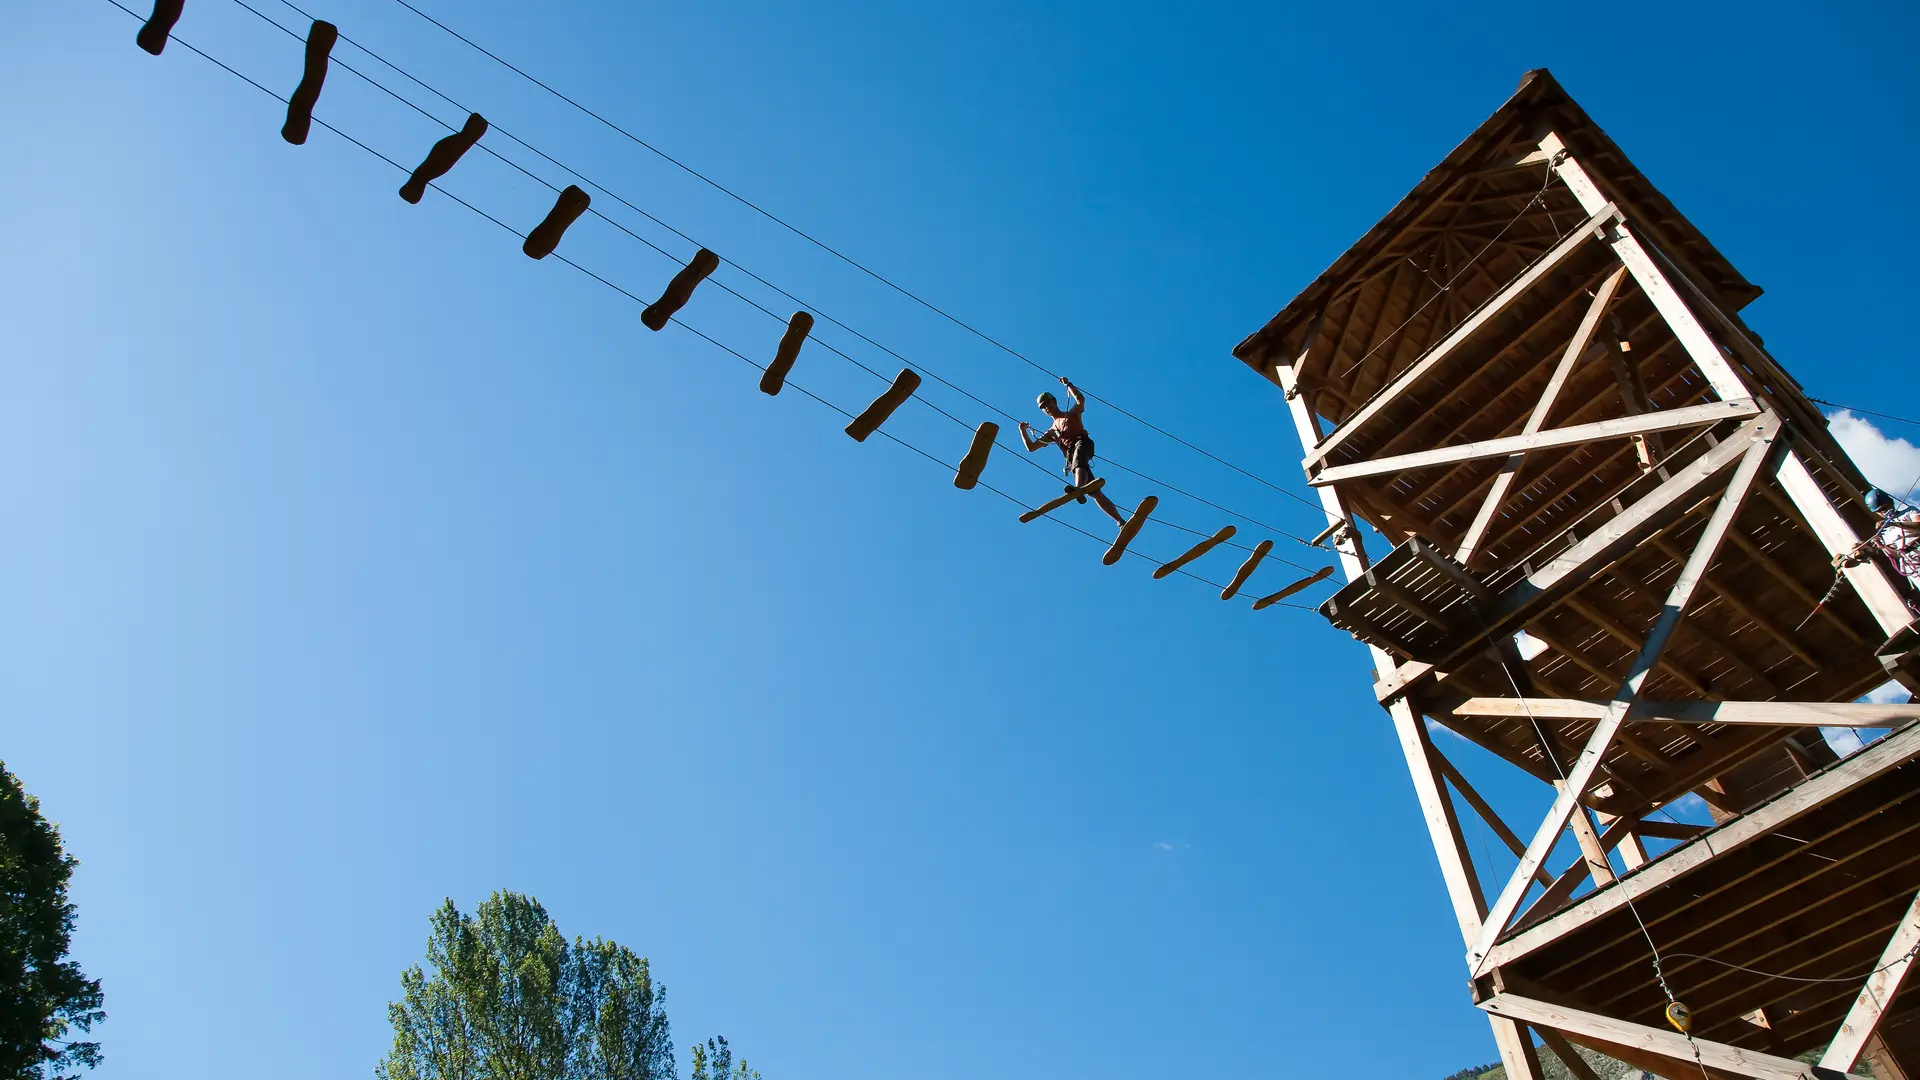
(1544,396)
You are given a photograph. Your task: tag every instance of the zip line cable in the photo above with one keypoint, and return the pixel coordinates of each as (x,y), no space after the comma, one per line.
(1863,412)
(842,256)
(742,297)
(637,299)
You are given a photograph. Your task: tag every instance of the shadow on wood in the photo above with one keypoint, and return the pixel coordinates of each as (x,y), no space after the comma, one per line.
(299,123)
(680,289)
(775,377)
(445,155)
(566,210)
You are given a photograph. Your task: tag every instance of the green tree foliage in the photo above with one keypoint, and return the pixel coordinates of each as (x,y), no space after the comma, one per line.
(43,996)
(509,998)
(1554,1069)
(715,1061)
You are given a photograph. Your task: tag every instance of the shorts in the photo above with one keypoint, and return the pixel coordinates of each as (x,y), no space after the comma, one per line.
(1080,463)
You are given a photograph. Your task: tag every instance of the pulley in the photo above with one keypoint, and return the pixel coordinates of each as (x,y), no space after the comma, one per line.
(1679,1016)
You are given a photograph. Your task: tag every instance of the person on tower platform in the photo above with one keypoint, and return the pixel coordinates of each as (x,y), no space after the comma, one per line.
(1070,435)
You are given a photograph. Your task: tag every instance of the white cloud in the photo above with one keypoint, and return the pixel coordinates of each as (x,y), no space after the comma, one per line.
(1162,845)
(1890,464)
(1434,727)
(1846,740)
(1843,740)
(1888,693)
(1690,808)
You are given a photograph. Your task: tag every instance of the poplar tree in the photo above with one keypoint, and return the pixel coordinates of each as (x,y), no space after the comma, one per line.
(508,997)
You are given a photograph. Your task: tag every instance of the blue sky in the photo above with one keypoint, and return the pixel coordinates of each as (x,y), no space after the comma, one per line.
(357,561)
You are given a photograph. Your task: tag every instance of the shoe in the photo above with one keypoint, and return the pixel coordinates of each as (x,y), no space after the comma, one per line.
(1081,499)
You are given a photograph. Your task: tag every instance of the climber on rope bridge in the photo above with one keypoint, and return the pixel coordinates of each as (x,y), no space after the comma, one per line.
(1070,435)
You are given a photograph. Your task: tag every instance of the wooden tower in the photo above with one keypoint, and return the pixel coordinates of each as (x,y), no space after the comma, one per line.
(1532,379)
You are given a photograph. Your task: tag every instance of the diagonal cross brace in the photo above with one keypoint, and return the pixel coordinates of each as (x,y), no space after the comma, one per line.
(1497,494)
(1628,695)
(1871,1006)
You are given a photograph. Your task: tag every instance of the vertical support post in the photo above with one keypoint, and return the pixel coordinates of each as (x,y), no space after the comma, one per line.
(1589,840)
(1516,1049)
(1353,558)
(1632,851)
(1443,825)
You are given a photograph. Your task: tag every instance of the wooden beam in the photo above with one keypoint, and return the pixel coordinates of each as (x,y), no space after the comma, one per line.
(1693,337)
(1412,428)
(1663,420)
(1591,847)
(1541,410)
(1517,1052)
(1601,460)
(1484,809)
(1443,827)
(1670,1044)
(1761,713)
(1494,306)
(1349,549)
(1874,590)
(1863,1019)
(1883,756)
(1598,551)
(1584,767)
(1568,1056)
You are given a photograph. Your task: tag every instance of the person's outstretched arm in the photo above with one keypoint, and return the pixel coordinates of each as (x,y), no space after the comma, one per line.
(1079,399)
(1026,436)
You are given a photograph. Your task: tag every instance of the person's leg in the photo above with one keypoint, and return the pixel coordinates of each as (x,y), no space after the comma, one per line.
(1078,469)
(1083,475)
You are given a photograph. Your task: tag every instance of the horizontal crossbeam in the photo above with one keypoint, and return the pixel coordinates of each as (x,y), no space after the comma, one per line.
(1582,1025)
(1618,428)
(1762,713)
